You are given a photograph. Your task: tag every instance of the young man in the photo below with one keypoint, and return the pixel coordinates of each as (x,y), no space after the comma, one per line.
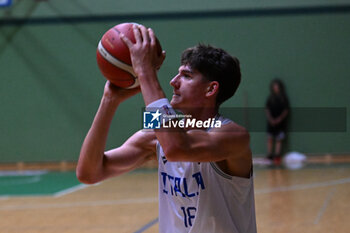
(205,175)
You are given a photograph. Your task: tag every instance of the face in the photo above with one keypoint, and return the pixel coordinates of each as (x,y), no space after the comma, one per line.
(190,89)
(276,88)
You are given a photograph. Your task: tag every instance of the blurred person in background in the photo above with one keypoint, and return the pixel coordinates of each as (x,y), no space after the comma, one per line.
(277,111)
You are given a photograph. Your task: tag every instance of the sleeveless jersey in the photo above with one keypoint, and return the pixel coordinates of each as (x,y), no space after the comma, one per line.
(200,198)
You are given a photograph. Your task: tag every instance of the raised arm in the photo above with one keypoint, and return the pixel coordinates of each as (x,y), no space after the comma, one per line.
(203,146)
(94,164)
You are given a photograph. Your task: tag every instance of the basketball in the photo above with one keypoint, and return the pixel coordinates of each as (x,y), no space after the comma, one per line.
(113,56)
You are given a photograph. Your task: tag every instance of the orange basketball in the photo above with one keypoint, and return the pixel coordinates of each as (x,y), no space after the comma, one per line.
(113,56)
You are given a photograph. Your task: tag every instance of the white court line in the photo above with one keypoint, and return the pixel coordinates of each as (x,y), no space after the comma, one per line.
(74,189)
(155,199)
(23,173)
(24,180)
(325,205)
(70,190)
(55,195)
(303,186)
(79,204)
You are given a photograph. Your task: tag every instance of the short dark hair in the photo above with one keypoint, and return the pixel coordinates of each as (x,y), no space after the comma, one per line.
(280,84)
(215,64)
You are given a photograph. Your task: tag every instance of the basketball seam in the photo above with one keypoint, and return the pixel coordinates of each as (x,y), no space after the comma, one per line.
(105,54)
(114,61)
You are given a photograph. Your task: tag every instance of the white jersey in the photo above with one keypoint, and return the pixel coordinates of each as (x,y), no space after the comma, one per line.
(200,198)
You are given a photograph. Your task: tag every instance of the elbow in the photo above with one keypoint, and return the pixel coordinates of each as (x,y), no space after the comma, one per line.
(85,178)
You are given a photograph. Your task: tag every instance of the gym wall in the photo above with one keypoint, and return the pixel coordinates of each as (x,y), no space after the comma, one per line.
(50,86)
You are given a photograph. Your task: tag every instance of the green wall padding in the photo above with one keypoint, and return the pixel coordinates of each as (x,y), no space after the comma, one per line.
(50,86)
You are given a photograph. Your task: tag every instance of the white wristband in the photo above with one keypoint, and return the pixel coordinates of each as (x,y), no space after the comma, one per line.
(164,107)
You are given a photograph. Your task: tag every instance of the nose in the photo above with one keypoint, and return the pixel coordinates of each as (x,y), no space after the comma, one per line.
(175,81)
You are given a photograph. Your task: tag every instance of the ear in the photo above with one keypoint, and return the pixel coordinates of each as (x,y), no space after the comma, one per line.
(212,89)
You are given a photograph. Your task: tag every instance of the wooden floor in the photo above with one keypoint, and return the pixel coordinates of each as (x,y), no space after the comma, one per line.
(315,198)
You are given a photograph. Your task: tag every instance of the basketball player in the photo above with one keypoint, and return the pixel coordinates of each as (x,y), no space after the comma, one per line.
(205,175)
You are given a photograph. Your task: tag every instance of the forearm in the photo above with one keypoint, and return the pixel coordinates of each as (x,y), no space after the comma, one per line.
(202,146)
(171,140)
(90,164)
(150,86)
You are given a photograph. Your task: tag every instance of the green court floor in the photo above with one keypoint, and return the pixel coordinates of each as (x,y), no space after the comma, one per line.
(55,183)
(28,183)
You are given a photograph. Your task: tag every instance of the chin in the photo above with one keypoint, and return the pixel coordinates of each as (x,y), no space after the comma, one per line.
(174,104)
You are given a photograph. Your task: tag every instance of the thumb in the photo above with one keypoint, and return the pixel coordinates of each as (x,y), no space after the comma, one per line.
(163,54)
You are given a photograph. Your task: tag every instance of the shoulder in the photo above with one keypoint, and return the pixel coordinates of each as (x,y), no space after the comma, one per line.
(237,142)
(286,101)
(236,136)
(231,129)
(231,135)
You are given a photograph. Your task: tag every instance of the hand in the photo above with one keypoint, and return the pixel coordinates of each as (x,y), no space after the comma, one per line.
(272,121)
(118,94)
(278,120)
(275,121)
(144,53)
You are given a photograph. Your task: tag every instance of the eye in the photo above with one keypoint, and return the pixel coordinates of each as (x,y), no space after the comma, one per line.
(186,75)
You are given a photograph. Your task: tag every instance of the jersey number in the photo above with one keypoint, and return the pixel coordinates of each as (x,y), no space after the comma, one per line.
(189,215)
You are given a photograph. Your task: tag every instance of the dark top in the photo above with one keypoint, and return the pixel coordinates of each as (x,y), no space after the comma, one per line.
(276,104)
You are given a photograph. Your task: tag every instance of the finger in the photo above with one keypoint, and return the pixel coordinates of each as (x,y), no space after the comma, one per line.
(109,84)
(137,33)
(133,91)
(152,36)
(161,60)
(126,40)
(145,35)
(112,87)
